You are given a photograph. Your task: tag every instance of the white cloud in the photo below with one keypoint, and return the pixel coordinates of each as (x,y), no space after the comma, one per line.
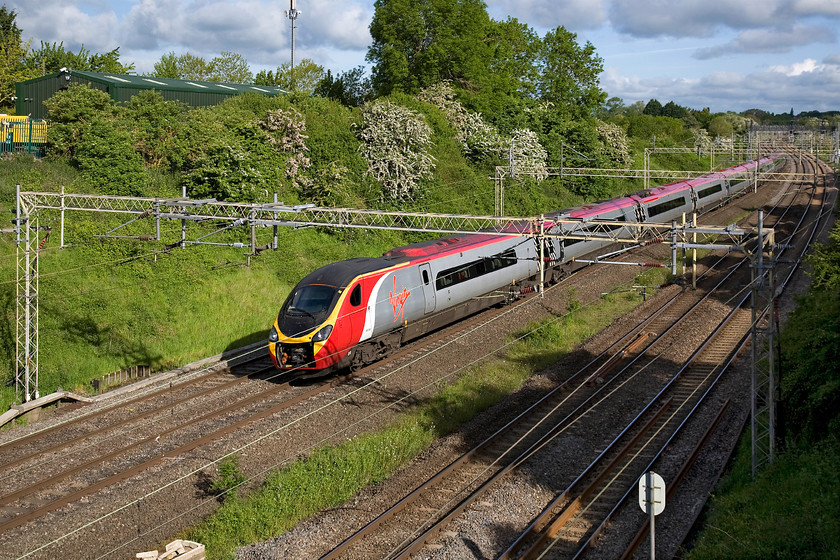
(692,18)
(257,29)
(549,14)
(55,21)
(797,68)
(806,85)
(770,41)
(825,8)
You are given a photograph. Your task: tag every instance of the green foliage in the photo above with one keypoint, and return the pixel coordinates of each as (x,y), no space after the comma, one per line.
(653,108)
(810,368)
(791,511)
(168,66)
(305,77)
(396,142)
(52,57)
(663,128)
(85,129)
(720,126)
(155,125)
(108,160)
(418,43)
(825,261)
(71,112)
(478,139)
(228,477)
(350,88)
(239,164)
(13,52)
(570,75)
(252,146)
(514,66)
(228,67)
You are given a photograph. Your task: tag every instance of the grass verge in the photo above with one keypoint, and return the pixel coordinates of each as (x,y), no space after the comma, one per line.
(331,475)
(791,510)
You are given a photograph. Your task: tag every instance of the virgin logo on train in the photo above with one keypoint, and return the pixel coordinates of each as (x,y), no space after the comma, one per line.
(398,301)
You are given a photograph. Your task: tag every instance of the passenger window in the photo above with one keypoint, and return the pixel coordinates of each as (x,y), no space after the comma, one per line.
(426,277)
(356,296)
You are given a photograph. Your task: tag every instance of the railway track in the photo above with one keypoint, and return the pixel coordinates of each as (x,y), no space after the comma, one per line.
(73,490)
(445,496)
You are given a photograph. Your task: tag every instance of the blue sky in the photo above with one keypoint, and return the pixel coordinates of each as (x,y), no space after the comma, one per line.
(723,54)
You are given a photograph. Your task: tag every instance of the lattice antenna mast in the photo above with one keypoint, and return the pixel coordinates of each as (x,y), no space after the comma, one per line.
(292,13)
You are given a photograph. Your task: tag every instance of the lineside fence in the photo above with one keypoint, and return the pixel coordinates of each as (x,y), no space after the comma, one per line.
(23,135)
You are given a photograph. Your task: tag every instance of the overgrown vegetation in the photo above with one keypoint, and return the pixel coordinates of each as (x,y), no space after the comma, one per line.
(792,508)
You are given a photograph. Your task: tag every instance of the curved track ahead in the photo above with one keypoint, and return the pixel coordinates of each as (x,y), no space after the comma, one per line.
(192,414)
(578,513)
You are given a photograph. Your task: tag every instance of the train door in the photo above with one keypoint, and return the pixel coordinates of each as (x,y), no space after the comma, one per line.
(428,286)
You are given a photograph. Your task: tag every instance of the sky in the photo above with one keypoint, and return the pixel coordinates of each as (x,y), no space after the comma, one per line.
(728,55)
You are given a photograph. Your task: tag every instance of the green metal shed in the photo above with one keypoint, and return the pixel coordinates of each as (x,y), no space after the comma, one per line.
(31,94)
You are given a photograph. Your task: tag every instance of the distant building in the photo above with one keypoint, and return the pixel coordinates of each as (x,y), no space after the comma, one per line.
(31,94)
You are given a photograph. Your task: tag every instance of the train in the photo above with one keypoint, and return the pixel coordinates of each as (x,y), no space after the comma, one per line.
(353,312)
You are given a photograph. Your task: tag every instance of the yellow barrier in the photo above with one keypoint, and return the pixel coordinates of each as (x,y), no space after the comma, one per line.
(18,129)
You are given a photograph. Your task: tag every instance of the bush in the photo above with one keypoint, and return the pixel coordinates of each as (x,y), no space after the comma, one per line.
(238,164)
(70,112)
(229,477)
(809,369)
(396,143)
(478,139)
(108,161)
(155,124)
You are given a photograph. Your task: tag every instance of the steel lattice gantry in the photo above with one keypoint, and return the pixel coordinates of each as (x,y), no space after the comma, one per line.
(31,204)
(763,336)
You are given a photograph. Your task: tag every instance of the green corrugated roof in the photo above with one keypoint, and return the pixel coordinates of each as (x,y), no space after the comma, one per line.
(145,82)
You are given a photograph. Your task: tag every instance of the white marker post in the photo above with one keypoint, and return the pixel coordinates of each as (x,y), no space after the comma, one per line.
(652,501)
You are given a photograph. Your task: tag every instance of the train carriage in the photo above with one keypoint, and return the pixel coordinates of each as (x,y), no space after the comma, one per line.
(353,312)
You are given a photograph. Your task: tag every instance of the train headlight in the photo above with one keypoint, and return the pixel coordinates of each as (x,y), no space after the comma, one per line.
(322,335)
(272,335)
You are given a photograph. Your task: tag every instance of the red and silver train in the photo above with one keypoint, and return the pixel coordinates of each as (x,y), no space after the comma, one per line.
(353,312)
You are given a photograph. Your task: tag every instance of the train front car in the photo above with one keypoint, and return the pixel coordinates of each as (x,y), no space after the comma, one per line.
(321,320)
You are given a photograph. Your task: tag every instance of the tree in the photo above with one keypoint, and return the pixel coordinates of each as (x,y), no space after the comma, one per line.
(515,58)
(671,109)
(52,57)
(12,55)
(350,88)
(305,78)
(653,108)
(184,67)
(613,106)
(418,43)
(230,67)
(167,67)
(191,67)
(570,74)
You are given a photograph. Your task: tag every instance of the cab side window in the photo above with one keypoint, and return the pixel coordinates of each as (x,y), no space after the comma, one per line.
(356,296)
